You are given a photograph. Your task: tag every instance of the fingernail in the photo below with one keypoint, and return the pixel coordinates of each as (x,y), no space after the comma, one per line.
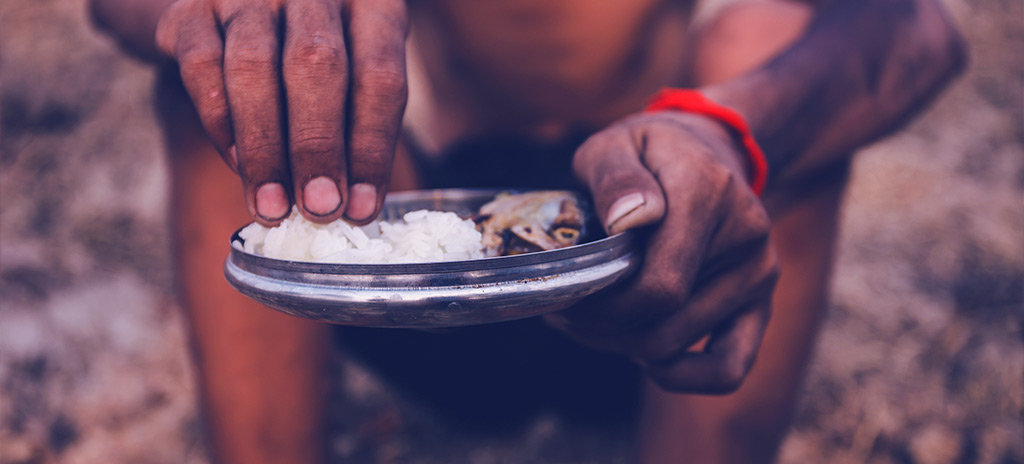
(321,196)
(271,201)
(362,201)
(622,207)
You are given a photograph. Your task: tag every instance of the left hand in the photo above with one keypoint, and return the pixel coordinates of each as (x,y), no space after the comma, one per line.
(302,98)
(709,267)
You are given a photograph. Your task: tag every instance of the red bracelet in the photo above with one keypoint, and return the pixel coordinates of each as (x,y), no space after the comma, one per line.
(692,101)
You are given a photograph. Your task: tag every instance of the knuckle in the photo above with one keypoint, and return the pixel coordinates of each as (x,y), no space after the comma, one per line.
(720,188)
(681,169)
(315,141)
(664,288)
(722,176)
(247,15)
(214,115)
(732,373)
(175,12)
(262,145)
(667,125)
(317,53)
(754,230)
(585,154)
(593,150)
(384,80)
(605,138)
(760,222)
(197,61)
(259,58)
(171,23)
(166,35)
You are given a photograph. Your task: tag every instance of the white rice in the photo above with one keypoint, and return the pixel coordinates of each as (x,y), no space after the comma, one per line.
(422,236)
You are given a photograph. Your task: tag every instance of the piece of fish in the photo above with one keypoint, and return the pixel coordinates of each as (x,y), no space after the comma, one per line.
(532,221)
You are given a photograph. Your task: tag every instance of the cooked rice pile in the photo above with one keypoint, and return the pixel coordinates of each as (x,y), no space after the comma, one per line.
(422,236)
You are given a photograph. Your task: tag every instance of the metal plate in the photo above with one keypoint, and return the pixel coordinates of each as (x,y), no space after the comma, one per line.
(426,295)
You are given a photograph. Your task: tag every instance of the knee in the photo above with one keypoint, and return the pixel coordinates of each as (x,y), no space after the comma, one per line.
(743,35)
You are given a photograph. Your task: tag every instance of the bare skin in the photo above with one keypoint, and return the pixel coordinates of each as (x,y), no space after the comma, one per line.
(710,269)
(251,417)
(296,138)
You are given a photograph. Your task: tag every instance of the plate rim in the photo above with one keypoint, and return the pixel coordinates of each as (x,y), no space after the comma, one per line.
(438,267)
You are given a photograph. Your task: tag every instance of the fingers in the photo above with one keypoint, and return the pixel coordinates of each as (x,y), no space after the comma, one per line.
(709,268)
(613,167)
(314,69)
(731,295)
(725,362)
(379,91)
(746,226)
(251,74)
(188,33)
(239,75)
(710,305)
(626,194)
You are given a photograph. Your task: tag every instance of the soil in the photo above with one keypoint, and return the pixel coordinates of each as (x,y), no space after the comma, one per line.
(920,359)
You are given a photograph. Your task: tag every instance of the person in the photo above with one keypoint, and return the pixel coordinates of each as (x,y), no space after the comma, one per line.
(328,104)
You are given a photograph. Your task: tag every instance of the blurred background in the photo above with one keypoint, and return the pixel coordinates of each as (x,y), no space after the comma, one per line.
(920,361)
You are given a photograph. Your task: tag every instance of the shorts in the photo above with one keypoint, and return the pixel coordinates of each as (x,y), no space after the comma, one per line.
(500,375)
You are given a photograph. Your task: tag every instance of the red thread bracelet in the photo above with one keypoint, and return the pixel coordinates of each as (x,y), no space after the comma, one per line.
(692,101)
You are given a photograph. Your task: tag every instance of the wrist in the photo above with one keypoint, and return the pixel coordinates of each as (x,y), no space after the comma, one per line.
(749,156)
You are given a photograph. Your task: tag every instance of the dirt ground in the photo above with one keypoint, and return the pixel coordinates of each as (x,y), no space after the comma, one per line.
(920,361)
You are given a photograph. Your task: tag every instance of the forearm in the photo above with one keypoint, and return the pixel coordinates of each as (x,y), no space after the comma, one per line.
(862,68)
(131,22)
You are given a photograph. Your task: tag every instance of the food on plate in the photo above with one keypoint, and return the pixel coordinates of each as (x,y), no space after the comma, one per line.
(509,224)
(421,236)
(533,221)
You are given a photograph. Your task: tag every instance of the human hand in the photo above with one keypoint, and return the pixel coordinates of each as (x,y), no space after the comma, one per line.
(302,98)
(709,268)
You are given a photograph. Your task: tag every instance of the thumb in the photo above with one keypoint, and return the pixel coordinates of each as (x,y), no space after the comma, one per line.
(626,195)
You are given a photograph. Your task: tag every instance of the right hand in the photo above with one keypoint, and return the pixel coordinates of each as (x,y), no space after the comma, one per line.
(302,98)
(709,268)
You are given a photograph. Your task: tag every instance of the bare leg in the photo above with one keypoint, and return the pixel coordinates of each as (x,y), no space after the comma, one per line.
(745,427)
(261,372)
